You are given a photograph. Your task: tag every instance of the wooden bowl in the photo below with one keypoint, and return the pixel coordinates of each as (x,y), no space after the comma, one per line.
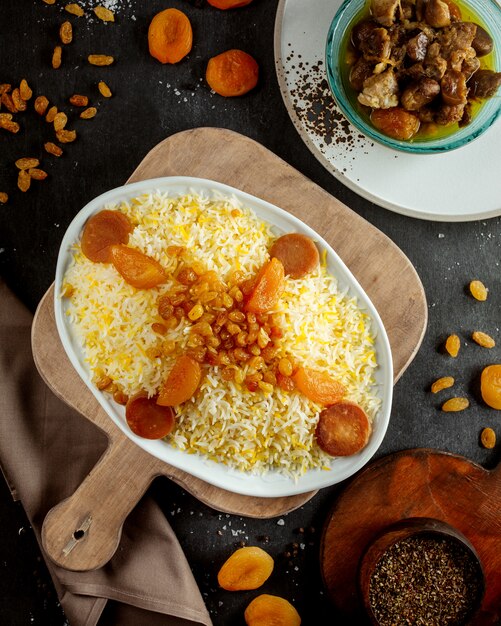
(404,529)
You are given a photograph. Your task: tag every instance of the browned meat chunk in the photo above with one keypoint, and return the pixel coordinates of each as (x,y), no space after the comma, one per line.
(458,57)
(359,73)
(482,42)
(385,11)
(419,94)
(435,66)
(437,13)
(469,67)
(448,114)
(459,36)
(380,91)
(417,47)
(361,31)
(485,83)
(453,87)
(376,46)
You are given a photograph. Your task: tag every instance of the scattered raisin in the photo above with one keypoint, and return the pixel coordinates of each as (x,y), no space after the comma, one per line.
(488,438)
(51,114)
(104,90)
(483,339)
(66,136)
(12,127)
(88,113)
(25,90)
(60,121)
(23,180)
(41,104)
(37,174)
(78,100)
(3,197)
(6,100)
(66,32)
(104,14)
(74,9)
(442,383)
(56,57)
(100,59)
(52,148)
(452,345)
(478,290)
(455,404)
(26,163)
(19,103)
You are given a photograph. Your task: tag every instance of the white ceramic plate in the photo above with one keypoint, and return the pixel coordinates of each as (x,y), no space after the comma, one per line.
(272,484)
(461,185)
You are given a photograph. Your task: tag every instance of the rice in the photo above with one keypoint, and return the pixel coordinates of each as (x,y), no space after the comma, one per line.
(323,328)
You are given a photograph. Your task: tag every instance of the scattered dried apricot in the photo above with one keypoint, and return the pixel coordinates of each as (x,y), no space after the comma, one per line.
(147,419)
(268,610)
(181,383)
(66,136)
(228,4)
(41,104)
(247,568)
(232,73)
(452,345)
(23,180)
(478,290)
(343,429)
(442,383)
(455,404)
(490,386)
(3,197)
(25,90)
(26,162)
(56,57)
(100,59)
(170,36)
(74,9)
(104,14)
(78,100)
(52,148)
(484,340)
(88,113)
(103,230)
(66,33)
(104,90)
(60,121)
(488,438)
(318,386)
(268,287)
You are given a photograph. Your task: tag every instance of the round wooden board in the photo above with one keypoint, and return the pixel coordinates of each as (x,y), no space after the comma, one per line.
(413,483)
(230,158)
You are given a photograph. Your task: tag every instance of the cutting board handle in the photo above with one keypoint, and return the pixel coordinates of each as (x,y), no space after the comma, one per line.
(82,532)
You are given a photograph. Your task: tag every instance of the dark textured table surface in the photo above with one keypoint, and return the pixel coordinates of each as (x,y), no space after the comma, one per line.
(151,102)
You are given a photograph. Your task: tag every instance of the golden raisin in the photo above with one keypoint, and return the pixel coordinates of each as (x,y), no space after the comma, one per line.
(488,438)
(41,104)
(103,382)
(12,127)
(52,148)
(483,339)
(268,609)
(74,9)
(5,88)
(452,345)
(66,136)
(104,14)
(100,59)
(66,32)
(56,57)
(49,1)
(19,103)
(478,290)
(105,91)
(24,180)
(5,117)
(26,162)
(89,113)
(247,568)
(25,90)
(3,197)
(37,174)
(442,383)
(67,291)
(78,100)
(490,386)
(51,114)
(6,100)
(60,121)
(455,404)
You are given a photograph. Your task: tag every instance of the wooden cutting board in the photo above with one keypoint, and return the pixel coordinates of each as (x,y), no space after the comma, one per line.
(83,532)
(413,483)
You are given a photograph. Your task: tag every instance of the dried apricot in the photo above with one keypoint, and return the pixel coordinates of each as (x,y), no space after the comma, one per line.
(484,340)
(103,230)
(74,9)
(181,383)
(88,113)
(343,429)
(228,4)
(60,121)
(297,253)
(452,345)
(136,268)
(247,568)
(37,174)
(23,180)
(232,73)
(3,197)
(267,287)
(104,14)
(455,404)
(41,104)
(66,33)
(442,383)
(66,136)
(395,122)
(490,386)
(268,610)
(56,57)
(26,162)
(100,59)
(170,36)
(78,100)
(147,419)
(104,90)
(318,386)
(478,290)
(25,90)
(488,438)
(52,148)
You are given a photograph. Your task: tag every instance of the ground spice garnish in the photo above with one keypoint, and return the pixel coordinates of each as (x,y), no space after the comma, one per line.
(425,581)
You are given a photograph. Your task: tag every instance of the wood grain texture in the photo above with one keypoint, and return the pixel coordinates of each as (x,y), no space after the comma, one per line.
(414,483)
(233,159)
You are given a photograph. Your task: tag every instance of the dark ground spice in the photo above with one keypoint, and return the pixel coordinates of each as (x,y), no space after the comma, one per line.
(425,581)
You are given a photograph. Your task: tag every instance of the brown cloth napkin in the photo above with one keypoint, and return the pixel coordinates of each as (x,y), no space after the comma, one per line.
(46,450)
